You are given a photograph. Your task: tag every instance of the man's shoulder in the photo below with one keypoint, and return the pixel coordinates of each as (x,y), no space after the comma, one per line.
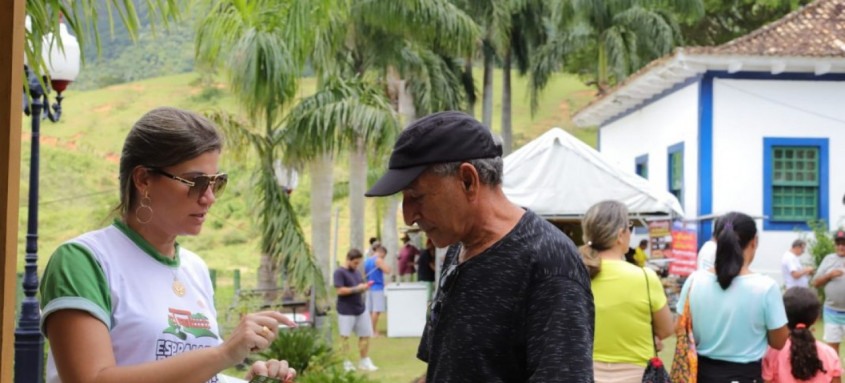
(339,272)
(788,258)
(551,251)
(832,257)
(543,232)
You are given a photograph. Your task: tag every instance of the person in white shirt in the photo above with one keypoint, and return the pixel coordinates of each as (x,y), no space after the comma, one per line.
(127,303)
(707,253)
(794,273)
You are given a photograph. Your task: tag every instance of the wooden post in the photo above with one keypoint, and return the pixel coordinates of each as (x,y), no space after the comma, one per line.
(11,107)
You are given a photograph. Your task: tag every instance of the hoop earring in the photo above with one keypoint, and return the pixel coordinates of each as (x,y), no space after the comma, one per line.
(145,206)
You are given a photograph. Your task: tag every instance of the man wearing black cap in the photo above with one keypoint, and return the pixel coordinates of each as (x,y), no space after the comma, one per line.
(514,302)
(830,276)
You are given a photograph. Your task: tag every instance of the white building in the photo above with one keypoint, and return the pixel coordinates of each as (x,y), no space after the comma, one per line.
(756,125)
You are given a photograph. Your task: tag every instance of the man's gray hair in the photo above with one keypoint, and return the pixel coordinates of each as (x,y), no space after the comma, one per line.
(489,169)
(799,243)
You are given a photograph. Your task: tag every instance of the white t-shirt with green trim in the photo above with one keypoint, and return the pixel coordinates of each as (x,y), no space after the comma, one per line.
(120,279)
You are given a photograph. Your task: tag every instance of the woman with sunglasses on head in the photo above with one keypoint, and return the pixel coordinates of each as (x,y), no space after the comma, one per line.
(735,313)
(631,311)
(127,303)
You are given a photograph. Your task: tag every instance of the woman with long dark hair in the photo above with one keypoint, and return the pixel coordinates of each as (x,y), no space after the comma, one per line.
(803,358)
(735,313)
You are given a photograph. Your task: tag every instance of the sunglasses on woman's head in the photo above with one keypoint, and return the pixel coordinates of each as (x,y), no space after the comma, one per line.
(199,184)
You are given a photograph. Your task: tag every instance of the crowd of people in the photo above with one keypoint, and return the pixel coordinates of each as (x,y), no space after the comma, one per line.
(516,300)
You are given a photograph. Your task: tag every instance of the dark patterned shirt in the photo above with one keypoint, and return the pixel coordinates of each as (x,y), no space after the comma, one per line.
(351,304)
(521,311)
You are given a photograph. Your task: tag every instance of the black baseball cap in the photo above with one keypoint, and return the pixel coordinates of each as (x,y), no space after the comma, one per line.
(839,236)
(437,138)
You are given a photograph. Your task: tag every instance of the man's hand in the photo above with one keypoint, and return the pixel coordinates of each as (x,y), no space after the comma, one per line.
(809,270)
(835,273)
(362,287)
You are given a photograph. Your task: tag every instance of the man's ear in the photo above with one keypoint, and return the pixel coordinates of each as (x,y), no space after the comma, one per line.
(468,175)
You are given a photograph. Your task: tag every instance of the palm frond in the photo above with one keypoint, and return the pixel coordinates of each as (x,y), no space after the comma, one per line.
(548,58)
(436,22)
(332,118)
(263,74)
(657,35)
(264,45)
(433,80)
(81,17)
(617,50)
(330,54)
(281,235)
(241,139)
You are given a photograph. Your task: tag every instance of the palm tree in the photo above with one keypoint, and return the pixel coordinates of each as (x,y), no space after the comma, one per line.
(341,114)
(526,33)
(398,48)
(494,17)
(512,29)
(263,45)
(625,35)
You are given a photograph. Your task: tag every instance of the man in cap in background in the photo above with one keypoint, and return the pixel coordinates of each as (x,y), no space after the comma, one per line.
(514,301)
(829,275)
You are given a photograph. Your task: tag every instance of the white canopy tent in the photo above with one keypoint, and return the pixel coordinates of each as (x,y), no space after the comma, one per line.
(559,177)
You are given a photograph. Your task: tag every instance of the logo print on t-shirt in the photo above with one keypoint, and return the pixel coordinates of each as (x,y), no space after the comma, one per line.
(182,322)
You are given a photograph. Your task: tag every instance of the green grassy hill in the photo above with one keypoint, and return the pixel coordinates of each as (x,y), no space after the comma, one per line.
(79,162)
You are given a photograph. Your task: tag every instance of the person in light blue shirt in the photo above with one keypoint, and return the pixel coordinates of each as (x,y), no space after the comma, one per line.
(735,313)
(375,267)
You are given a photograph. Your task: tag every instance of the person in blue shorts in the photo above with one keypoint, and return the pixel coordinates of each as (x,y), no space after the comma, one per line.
(375,268)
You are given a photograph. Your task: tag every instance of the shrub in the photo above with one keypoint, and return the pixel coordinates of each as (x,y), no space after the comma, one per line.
(334,376)
(300,347)
(821,244)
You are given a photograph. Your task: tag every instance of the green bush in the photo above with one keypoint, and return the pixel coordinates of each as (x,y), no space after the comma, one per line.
(301,347)
(821,244)
(334,376)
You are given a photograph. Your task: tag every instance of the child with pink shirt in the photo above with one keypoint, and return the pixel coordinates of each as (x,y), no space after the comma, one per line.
(803,358)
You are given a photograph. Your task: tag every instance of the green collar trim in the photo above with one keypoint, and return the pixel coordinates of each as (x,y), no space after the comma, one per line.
(146,246)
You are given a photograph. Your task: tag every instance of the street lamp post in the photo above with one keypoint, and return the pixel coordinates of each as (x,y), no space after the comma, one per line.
(63,66)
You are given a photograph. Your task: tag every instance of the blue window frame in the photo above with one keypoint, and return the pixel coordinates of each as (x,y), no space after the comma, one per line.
(641,166)
(795,182)
(675,171)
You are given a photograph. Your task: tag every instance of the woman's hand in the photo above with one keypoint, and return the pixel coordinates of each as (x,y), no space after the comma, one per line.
(277,369)
(255,332)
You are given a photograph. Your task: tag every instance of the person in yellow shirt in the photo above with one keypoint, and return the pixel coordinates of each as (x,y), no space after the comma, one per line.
(630,304)
(639,253)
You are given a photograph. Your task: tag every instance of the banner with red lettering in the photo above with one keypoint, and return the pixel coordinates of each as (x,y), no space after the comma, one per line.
(684,248)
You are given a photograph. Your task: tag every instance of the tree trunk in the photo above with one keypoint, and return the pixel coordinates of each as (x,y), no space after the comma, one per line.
(390,228)
(321,169)
(390,234)
(487,97)
(267,272)
(470,81)
(507,134)
(357,188)
(602,75)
